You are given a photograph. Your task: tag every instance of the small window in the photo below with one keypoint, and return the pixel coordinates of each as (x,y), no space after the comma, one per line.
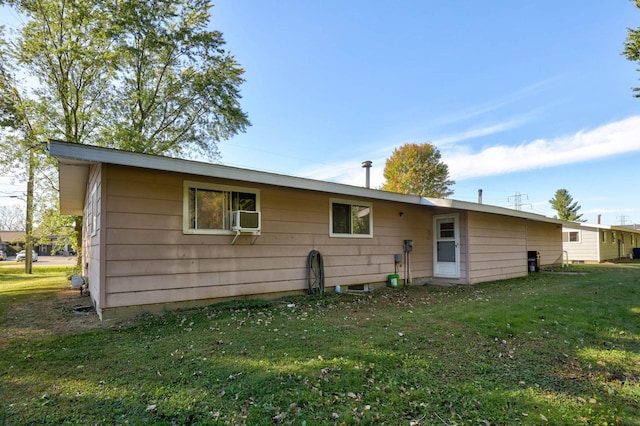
(571,237)
(604,237)
(208,209)
(350,219)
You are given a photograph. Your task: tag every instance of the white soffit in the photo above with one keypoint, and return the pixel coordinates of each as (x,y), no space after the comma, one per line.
(73,186)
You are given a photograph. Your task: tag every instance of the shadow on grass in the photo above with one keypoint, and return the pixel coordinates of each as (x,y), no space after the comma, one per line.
(543,349)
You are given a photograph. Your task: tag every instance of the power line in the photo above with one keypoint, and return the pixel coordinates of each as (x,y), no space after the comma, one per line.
(623,220)
(517,200)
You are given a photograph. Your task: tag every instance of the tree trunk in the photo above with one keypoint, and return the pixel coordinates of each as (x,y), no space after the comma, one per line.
(28,260)
(79,251)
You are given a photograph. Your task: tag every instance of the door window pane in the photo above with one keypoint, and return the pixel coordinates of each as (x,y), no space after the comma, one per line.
(446,251)
(447,230)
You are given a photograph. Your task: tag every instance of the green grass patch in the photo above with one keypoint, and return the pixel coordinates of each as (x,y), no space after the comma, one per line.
(16,286)
(550,348)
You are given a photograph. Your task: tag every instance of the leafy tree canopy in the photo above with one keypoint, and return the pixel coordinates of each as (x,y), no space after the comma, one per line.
(12,218)
(567,209)
(632,47)
(176,91)
(416,169)
(136,75)
(130,74)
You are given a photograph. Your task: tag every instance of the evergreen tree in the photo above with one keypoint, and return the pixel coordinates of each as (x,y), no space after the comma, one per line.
(567,209)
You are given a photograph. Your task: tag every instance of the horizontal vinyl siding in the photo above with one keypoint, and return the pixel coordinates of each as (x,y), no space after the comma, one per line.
(628,246)
(150,260)
(546,239)
(497,247)
(585,250)
(609,249)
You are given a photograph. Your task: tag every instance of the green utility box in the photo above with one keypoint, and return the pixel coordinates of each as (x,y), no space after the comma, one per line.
(394,279)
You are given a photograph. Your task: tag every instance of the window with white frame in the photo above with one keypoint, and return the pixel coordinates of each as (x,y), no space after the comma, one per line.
(208,208)
(350,219)
(571,237)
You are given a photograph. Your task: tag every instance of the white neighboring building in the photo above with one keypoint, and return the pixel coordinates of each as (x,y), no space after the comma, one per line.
(591,243)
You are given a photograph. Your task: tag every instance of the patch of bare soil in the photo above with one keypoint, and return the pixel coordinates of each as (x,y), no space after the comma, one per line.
(59,313)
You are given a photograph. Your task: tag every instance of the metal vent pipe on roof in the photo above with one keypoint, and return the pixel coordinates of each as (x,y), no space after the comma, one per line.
(367,167)
(479,196)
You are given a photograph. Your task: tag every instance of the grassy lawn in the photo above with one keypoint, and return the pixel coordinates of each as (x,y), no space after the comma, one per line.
(545,349)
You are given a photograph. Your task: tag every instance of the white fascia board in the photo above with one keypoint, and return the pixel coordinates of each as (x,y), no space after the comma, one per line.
(92,154)
(578,225)
(594,226)
(487,208)
(591,225)
(65,151)
(625,230)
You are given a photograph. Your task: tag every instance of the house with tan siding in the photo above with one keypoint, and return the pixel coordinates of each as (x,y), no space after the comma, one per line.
(594,243)
(164,232)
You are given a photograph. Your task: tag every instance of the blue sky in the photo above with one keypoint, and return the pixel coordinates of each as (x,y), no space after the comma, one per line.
(519,97)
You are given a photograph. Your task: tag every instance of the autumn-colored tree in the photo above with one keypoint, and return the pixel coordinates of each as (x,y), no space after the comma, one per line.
(417,169)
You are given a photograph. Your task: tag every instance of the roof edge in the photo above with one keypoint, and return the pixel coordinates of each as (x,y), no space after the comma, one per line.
(93,154)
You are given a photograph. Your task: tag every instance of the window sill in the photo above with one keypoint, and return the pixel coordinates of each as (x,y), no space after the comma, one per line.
(350,236)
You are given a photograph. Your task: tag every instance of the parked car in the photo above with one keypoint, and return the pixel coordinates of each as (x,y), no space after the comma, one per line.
(70,252)
(3,256)
(22,255)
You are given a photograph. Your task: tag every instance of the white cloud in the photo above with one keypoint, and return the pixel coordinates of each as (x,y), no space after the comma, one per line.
(348,172)
(483,131)
(468,113)
(611,139)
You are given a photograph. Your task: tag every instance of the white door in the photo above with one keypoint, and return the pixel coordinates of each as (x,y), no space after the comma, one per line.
(446,250)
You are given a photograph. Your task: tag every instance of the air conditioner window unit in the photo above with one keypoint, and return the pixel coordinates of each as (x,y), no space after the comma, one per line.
(245,221)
